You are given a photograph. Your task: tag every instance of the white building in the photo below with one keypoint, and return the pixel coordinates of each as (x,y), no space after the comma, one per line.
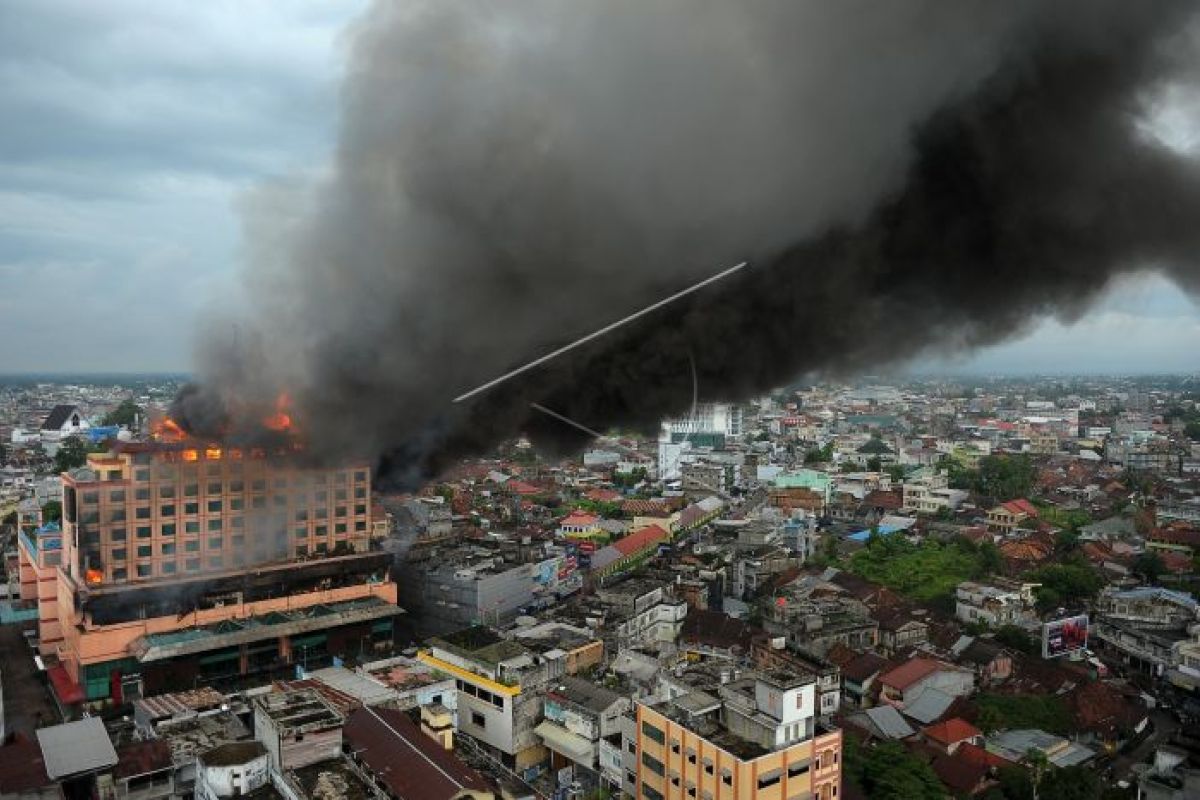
(232,770)
(999,603)
(930,492)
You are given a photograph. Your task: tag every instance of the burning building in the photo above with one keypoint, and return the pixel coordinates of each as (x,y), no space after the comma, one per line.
(183,563)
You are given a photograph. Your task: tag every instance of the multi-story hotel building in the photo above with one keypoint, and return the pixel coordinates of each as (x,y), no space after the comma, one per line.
(180,564)
(753,737)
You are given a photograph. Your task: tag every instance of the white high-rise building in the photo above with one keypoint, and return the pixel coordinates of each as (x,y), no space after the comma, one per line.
(710,422)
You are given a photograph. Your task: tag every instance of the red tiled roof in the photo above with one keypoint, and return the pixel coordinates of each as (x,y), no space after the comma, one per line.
(952,731)
(961,776)
(520,487)
(579,518)
(140,758)
(410,764)
(974,754)
(1019,507)
(909,673)
(640,540)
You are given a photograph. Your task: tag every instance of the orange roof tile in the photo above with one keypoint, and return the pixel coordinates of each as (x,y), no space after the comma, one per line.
(952,731)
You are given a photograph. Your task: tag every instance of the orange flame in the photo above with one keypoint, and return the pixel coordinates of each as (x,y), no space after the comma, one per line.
(167,429)
(94,576)
(281,420)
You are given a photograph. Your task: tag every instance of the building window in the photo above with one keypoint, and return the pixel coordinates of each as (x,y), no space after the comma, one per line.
(727,777)
(141,474)
(237,487)
(191,490)
(322,530)
(142,512)
(237,504)
(191,508)
(797,769)
(168,529)
(214,506)
(117,535)
(653,764)
(652,733)
(360,494)
(117,515)
(191,527)
(339,528)
(168,568)
(144,570)
(301,549)
(258,502)
(118,554)
(214,543)
(143,532)
(478,720)
(214,525)
(166,492)
(770,778)
(167,510)
(191,547)
(192,564)
(214,487)
(258,486)
(360,526)
(117,496)
(143,551)
(215,562)
(168,549)
(141,494)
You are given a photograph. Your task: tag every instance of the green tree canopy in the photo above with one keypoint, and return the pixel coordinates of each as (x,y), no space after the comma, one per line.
(124,414)
(52,511)
(72,453)
(889,772)
(1150,566)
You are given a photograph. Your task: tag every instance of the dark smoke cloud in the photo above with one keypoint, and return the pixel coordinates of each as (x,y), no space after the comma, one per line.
(902,176)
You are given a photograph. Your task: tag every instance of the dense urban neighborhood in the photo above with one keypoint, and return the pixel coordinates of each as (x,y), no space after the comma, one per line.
(934,588)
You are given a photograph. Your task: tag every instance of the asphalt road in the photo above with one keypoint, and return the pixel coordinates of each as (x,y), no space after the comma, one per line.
(1164,726)
(27,702)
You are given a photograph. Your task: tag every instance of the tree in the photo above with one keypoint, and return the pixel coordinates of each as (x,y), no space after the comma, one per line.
(124,414)
(1016,638)
(896,472)
(890,772)
(874,464)
(1038,764)
(52,511)
(1069,783)
(1149,565)
(71,453)
(1066,541)
(990,560)
(1069,583)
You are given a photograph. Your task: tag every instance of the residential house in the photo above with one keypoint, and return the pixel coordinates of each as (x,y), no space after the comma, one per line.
(999,602)
(1007,517)
(907,681)
(948,735)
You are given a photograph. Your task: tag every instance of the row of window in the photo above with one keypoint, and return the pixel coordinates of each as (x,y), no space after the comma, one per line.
(91,536)
(212,507)
(117,496)
(482,694)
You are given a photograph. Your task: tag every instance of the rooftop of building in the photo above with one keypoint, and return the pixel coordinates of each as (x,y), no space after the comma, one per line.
(585,693)
(232,753)
(230,632)
(333,779)
(409,763)
(194,735)
(480,644)
(298,711)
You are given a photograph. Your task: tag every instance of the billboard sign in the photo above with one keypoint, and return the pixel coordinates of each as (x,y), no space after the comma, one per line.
(1063,636)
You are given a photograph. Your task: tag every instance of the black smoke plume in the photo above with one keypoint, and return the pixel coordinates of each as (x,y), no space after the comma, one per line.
(902,177)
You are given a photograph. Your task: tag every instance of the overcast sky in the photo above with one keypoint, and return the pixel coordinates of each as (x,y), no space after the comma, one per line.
(131,129)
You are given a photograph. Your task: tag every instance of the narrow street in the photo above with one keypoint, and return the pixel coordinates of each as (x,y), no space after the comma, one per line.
(27,702)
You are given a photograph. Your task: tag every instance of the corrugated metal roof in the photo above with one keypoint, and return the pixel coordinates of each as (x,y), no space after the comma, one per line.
(76,748)
(889,722)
